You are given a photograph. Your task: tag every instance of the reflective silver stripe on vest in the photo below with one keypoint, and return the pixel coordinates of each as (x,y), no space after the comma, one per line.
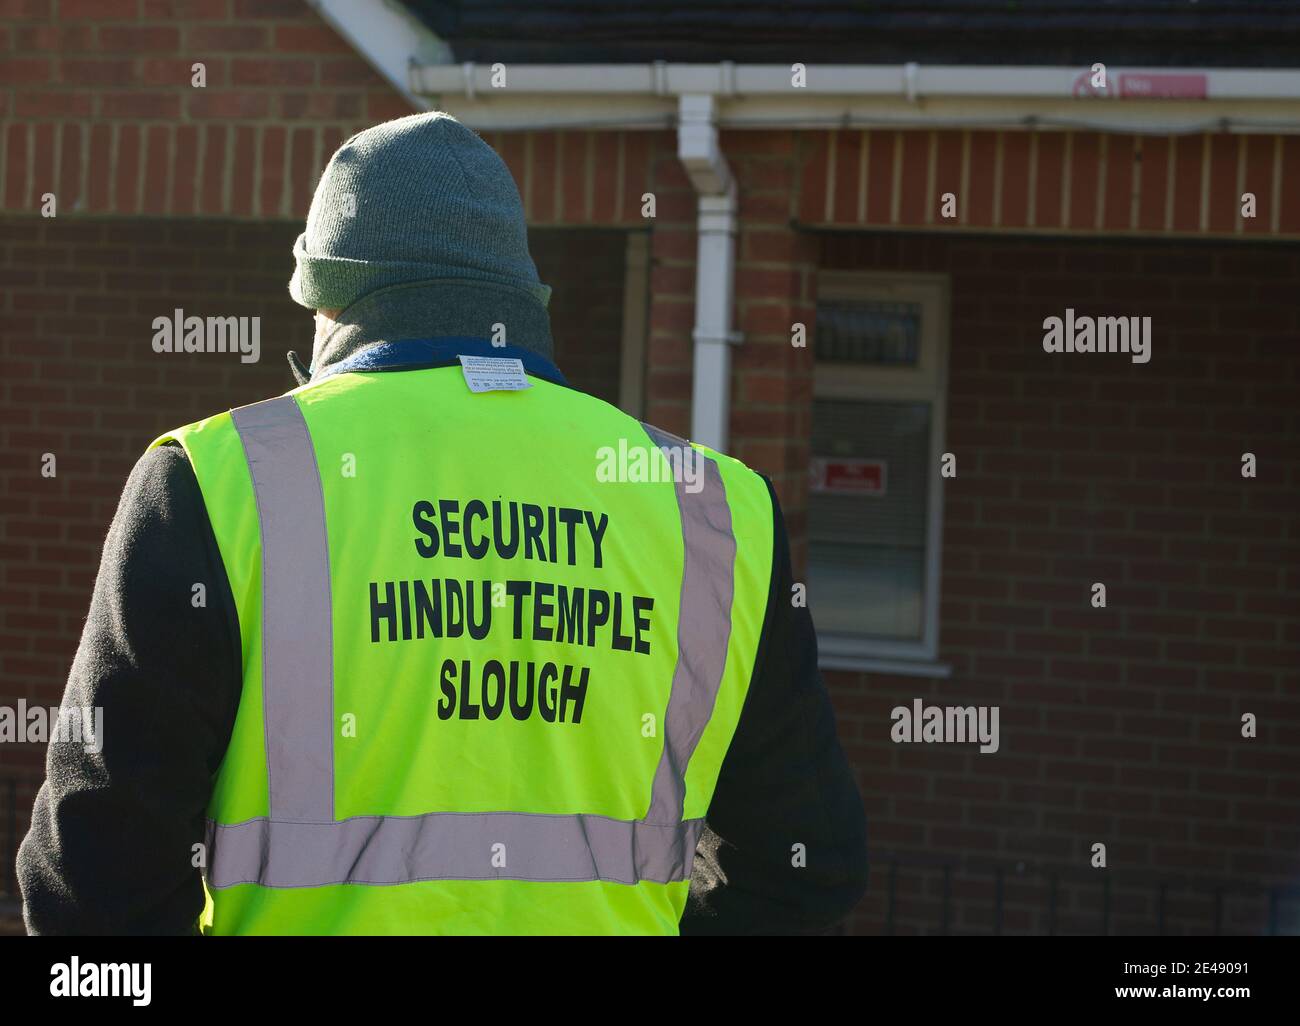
(297,635)
(450,846)
(703,621)
(302,845)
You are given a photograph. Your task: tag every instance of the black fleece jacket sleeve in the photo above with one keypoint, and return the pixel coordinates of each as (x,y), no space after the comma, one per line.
(785,848)
(110,850)
(110,846)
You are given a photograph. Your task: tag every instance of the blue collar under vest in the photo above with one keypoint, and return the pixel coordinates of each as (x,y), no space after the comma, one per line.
(423,353)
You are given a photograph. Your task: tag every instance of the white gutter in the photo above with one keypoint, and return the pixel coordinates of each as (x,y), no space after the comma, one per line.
(715,266)
(1159,100)
(729,78)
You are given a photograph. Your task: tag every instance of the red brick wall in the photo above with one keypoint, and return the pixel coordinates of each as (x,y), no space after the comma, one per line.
(1119,725)
(1052,181)
(99,109)
(81,381)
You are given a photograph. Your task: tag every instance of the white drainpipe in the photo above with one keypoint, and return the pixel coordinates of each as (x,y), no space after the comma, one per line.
(715,266)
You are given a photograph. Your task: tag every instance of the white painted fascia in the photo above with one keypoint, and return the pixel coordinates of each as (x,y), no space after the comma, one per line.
(389,37)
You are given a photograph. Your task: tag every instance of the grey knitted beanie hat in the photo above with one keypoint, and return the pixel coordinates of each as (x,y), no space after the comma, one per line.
(419,199)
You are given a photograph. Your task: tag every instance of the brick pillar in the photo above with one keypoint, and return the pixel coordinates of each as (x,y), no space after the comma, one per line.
(668,374)
(771,412)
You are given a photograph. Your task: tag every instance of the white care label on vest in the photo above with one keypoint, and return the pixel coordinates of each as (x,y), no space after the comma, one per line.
(494,373)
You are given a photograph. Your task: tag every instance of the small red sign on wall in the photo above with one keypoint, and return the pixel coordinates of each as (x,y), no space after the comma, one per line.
(848,476)
(1146,85)
(1163,86)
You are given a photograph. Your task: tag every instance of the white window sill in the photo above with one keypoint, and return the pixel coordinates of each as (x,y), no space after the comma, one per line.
(874,664)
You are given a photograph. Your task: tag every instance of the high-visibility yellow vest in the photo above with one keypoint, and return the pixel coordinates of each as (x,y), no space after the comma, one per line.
(495,647)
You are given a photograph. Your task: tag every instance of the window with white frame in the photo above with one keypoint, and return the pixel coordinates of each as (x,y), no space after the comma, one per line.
(875,492)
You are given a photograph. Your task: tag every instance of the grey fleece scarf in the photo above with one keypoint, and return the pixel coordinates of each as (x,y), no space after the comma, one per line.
(432,309)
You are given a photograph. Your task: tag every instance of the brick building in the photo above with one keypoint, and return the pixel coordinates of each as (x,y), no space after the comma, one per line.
(865,305)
